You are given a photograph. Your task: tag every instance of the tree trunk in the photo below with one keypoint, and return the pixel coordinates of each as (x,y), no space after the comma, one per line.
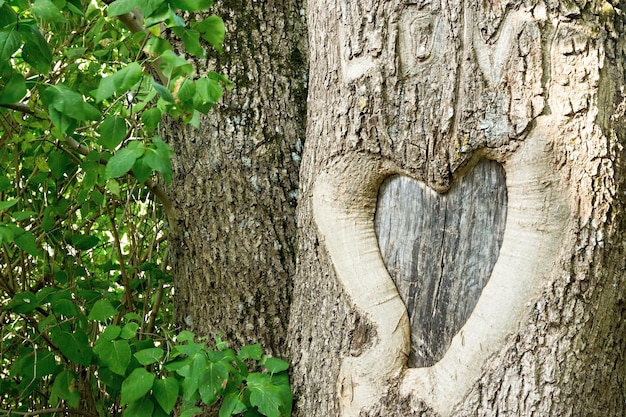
(235,181)
(531,323)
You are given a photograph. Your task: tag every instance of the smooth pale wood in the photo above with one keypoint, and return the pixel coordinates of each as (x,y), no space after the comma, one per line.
(440,251)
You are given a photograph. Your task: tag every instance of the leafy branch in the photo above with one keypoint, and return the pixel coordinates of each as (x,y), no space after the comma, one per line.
(87,324)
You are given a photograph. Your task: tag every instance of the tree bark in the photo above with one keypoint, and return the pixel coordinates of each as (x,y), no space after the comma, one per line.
(235,183)
(425,90)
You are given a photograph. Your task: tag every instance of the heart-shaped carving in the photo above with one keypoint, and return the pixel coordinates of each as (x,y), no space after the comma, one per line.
(440,251)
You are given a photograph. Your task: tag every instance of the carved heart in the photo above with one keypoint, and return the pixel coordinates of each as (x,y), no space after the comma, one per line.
(440,251)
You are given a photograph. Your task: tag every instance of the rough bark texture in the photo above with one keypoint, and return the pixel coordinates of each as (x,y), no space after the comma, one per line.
(424,89)
(235,181)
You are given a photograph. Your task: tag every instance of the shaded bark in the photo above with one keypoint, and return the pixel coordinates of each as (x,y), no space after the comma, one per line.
(235,181)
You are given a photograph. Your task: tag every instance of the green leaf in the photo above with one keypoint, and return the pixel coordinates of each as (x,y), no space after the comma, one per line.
(119,82)
(14,90)
(5,183)
(191,412)
(212,382)
(185,336)
(75,346)
(186,90)
(58,161)
(151,118)
(149,356)
(138,383)
(45,9)
(143,407)
(23,215)
(251,352)
(129,330)
(24,302)
(102,311)
(110,333)
(191,40)
(149,6)
(212,30)
(166,393)
(10,41)
(64,123)
(141,170)
(192,5)
(123,160)
(7,15)
(232,405)
(163,92)
(196,372)
(36,50)
(112,132)
(267,397)
(65,386)
(8,203)
(208,92)
(64,308)
(84,242)
(176,61)
(34,365)
(120,7)
(154,161)
(69,103)
(275,365)
(115,354)
(27,242)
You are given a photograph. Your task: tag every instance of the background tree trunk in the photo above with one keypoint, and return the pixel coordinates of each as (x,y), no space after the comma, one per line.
(424,90)
(235,181)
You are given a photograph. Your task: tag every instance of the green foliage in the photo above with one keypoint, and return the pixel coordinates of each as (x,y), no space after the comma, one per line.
(85,289)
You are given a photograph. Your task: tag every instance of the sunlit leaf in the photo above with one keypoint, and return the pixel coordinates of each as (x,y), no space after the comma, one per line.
(112,132)
(138,383)
(212,30)
(166,393)
(45,9)
(119,82)
(8,203)
(120,7)
(149,356)
(267,397)
(212,382)
(143,407)
(102,311)
(129,330)
(192,5)
(115,354)
(275,365)
(151,118)
(123,161)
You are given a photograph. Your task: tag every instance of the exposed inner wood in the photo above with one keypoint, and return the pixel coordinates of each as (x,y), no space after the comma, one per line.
(440,251)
